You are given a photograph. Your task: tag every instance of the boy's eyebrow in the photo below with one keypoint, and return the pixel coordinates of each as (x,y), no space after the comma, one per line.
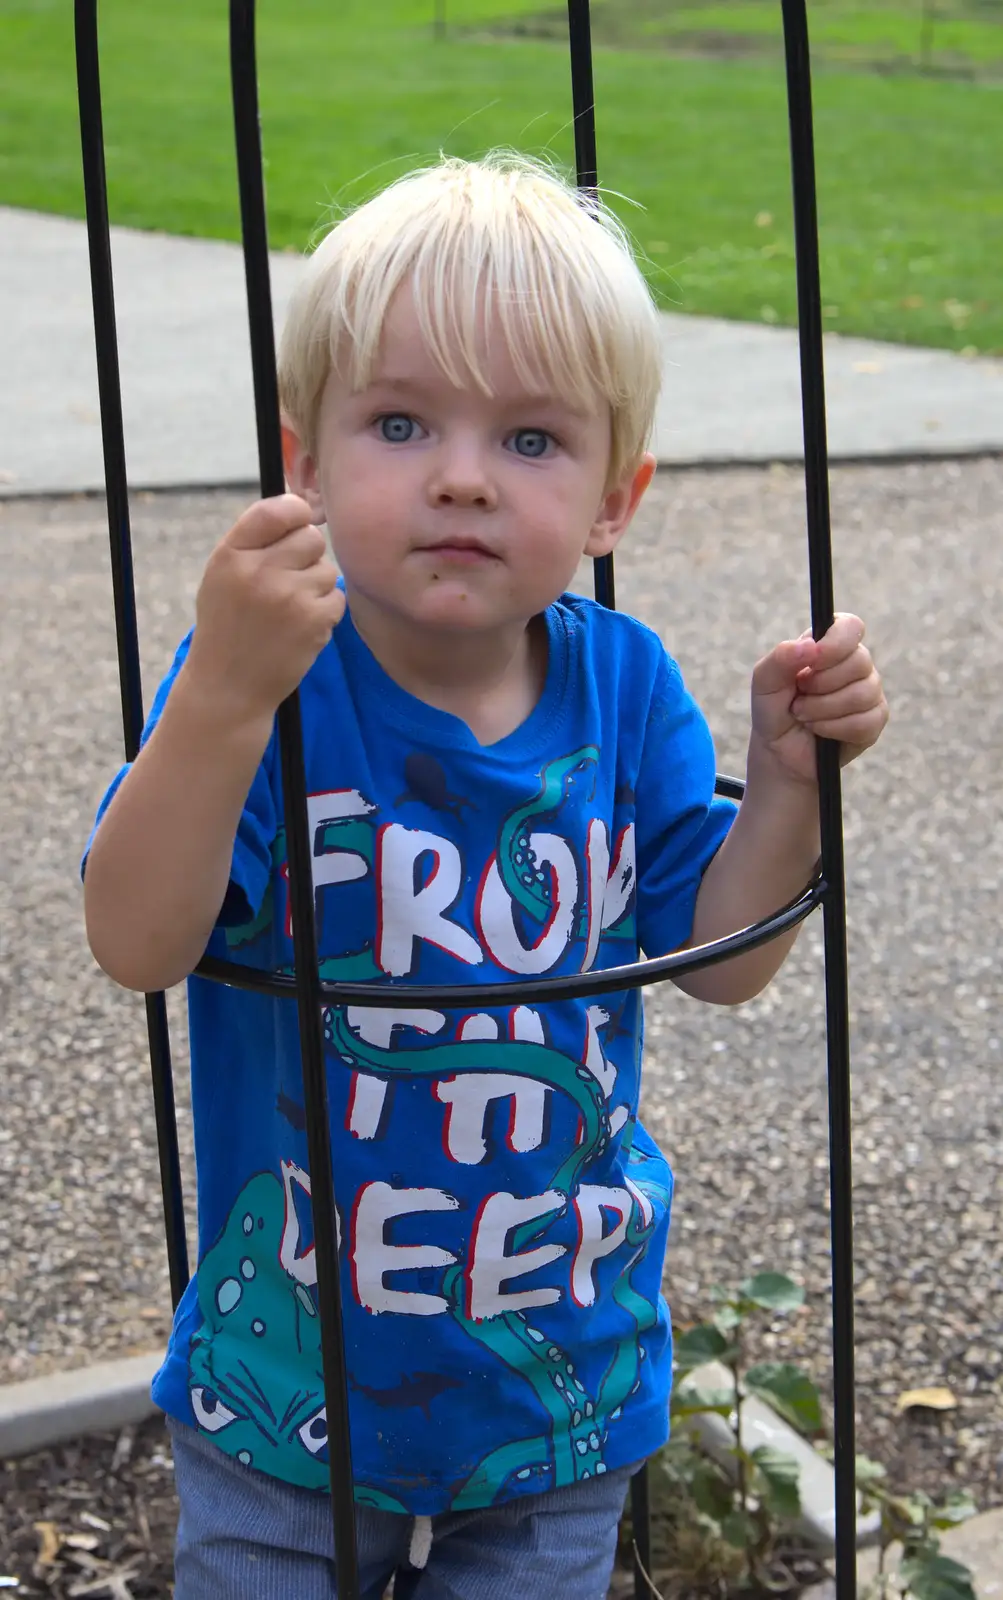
(544,400)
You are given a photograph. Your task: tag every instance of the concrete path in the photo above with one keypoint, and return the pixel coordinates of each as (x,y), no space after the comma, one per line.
(977,1545)
(731,390)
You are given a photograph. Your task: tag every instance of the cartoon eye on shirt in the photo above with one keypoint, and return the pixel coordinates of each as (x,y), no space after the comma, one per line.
(312,1434)
(210,1412)
(426,784)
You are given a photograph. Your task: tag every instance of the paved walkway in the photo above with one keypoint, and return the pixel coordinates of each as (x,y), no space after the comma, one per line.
(977,1544)
(731,390)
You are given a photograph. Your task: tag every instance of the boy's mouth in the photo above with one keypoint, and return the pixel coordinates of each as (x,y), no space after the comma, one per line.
(459,548)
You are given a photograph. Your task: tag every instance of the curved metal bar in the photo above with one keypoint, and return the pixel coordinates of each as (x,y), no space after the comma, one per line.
(123,587)
(830,810)
(306,986)
(532,991)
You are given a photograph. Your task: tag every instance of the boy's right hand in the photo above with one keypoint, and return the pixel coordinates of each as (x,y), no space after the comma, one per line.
(266,608)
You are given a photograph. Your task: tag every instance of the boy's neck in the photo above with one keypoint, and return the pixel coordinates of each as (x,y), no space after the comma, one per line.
(490,682)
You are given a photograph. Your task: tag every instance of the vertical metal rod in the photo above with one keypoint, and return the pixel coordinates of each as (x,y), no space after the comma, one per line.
(640,1519)
(834,905)
(583,104)
(120,539)
(308,996)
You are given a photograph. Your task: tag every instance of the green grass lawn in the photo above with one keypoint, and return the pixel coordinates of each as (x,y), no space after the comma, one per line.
(959,37)
(910,167)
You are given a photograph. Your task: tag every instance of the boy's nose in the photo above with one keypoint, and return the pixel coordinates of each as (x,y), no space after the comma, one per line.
(461,477)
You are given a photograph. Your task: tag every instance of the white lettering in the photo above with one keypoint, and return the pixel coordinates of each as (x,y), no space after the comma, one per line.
(496,918)
(490,1263)
(331,866)
(376,1024)
(597,856)
(595,1057)
(301,1267)
(407,914)
(622,877)
(372,1257)
(593,1241)
(468,1096)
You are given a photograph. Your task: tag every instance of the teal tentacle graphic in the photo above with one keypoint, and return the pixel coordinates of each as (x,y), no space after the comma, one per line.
(366,1495)
(581,1421)
(355,835)
(573,1447)
(622,1373)
(521,1057)
(520,1460)
(242,933)
(575,1437)
(522,877)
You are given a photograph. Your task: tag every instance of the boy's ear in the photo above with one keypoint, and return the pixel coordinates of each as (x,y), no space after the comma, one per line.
(301,471)
(617,509)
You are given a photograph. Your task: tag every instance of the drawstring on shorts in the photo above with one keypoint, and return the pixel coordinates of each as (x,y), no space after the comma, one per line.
(421,1542)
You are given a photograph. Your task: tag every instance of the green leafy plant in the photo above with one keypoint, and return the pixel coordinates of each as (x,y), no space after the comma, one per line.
(734,1511)
(915,1522)
(748,1499)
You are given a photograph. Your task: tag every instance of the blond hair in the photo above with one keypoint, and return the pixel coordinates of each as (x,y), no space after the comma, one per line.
(503,237)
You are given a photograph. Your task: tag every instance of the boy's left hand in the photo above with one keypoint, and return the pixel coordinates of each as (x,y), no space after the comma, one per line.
(827,688)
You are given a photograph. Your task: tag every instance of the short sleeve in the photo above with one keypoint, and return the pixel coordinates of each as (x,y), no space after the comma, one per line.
(250,868)
(680,822)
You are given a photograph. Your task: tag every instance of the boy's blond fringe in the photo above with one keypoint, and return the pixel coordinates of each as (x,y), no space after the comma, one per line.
(502,242)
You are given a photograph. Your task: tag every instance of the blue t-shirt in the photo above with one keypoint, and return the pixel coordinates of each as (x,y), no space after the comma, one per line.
(502,1212)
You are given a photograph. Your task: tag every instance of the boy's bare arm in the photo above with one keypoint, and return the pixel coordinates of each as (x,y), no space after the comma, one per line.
(159,866)
(802,690)
(160,862)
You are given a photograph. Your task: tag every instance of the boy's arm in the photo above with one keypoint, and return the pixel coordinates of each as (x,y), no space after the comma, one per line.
(160,862)
(158,869)
(803,690)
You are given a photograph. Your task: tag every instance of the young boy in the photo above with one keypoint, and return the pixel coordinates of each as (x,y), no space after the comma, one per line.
(504,778)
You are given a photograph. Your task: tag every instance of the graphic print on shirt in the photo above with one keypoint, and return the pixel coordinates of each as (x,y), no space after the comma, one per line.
(256,1382)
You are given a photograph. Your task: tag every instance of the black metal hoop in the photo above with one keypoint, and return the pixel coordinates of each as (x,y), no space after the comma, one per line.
(310,993)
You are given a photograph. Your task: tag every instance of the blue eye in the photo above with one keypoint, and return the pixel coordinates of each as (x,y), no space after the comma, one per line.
(531,442)
(396,428)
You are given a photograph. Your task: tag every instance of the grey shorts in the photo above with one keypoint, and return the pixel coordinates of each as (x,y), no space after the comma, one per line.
(243,1535)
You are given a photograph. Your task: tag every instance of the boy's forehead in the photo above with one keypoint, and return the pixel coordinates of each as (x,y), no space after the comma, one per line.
(411,368)
(413,386)
(407,362)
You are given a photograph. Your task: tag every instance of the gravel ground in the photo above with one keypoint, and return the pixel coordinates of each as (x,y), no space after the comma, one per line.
(716,562)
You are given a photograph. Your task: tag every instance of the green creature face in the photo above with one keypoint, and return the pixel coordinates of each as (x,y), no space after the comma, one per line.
(256,1382)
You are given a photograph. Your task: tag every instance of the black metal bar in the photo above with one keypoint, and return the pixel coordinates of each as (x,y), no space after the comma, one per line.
(583,98)
(830,812)
(640,1522)
(583,102)
(120,540)
(534,991)
(307,982)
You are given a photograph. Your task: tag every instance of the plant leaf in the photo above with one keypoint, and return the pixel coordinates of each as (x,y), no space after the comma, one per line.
(868,1471)
(738,1530)
(779,1473)
(937,1578)
(773,1291)
(712,1491)
(699,1345)
(727,1320)
(957,1507)
(689,1400)
(789,1391)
